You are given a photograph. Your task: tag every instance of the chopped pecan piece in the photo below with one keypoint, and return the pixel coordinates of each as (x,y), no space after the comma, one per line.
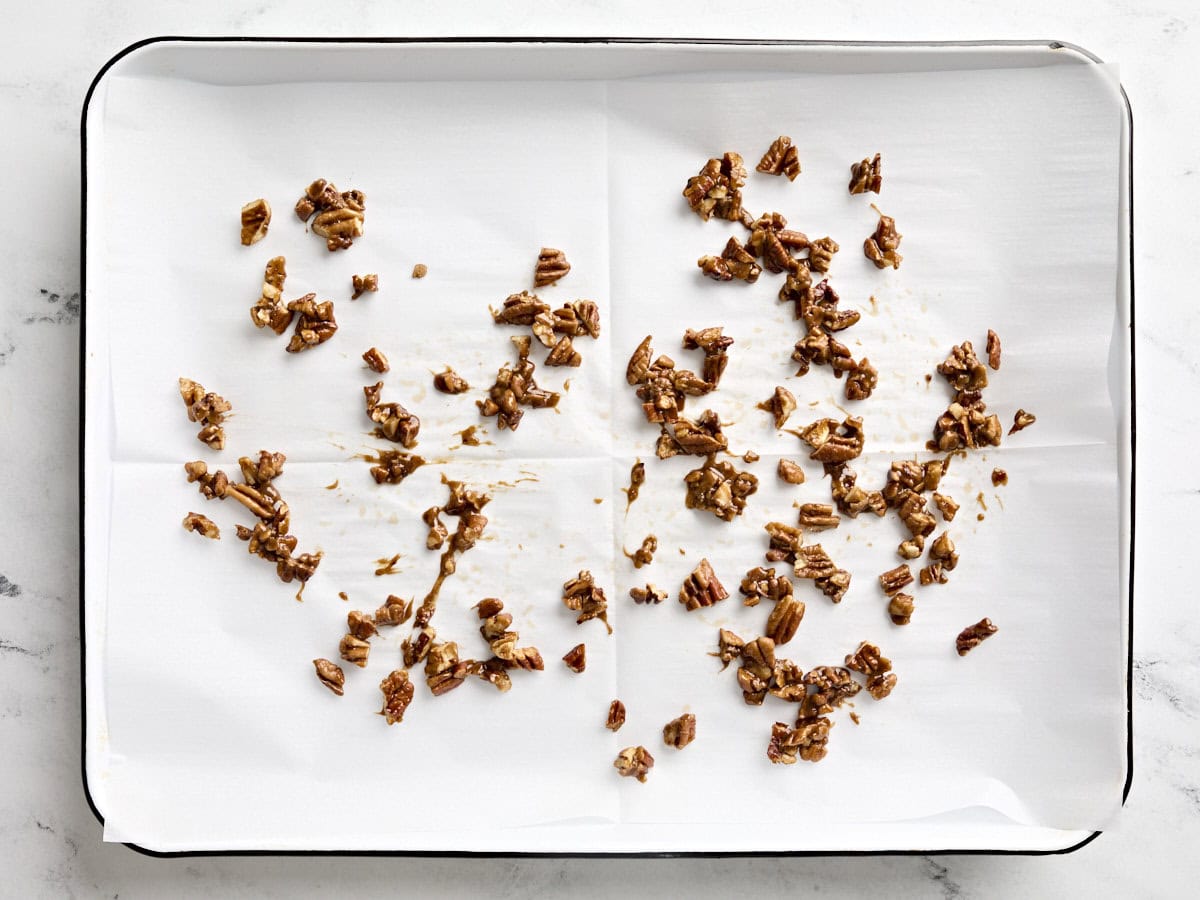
(678,733)
(973,635)
(315,323)
(637,477)
(397,694)
(785,618)
(520,309)
(339,216)
(785,541)
(729,647)
(933,574)
(820,254)
(963,369)
(907,476)
(420,270)
(702,587)
(913,510)
(807,741)
(879,686)
(771,239)
(208,409)
(894,579)
(820,348)
(946,506)
(201,525)
(450,382)
(761,583)
(635,762)
(781,158)
(849,497)
(444,671)
(395,611)
(270,310)
(818,515)
(564,353)
(393,466)
(514,388)
(833,442)
(644,555)
(866,176)
(780,405)
(715,345)
(700,438)
(375,360)
(912,548)
(880,247)
(648,594)
(868,659)
(331,675)
(581,594)
(551,266)
(735,261)
(834,686)
(757,670)
(787,682)
(360,625)
(717,189)
(790,472)
(1021,421)
(639,364)
(900,608)
(393,421)
(993,350)
(616,716)
(576,657)
(719,488)
(966,425)
(862,381)
(364,284)
(354,650)
(579,318)
(438,534)
(256,219)
(942,551)
(999,477)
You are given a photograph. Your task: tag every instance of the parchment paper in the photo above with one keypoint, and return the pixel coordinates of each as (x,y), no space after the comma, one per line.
(1005,186)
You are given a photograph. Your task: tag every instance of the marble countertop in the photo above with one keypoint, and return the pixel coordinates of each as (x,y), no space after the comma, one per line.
(51,844)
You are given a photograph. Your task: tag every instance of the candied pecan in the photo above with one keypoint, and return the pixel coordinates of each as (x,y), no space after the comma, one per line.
(702,587)
(256,219)
(879,686)
(397,694)
(866,176)
(364,284)
(780,405)
(913,510)
(420,270)
(729,647)
(581,594)
(993,350)
(912,548)
(1021,421)
(262,471)
(616,716)
(862,381)
(761,583)
(576,657)
(270,310)
(834,443)
(579,318)
(395,423)
(820,254)
(208,409)
(834,686)
(963,369)
(814,563)
(790,472)
(757,670)
(719,488)
(202,525)
(820,348)
(393,466)
(520,309)
(339,216)
(395,611)
(437,530)
(331,675)
(527,658)
(933,574)
(868,659)
(894,579)
(680,732)
(415,647)
(973,635)
(785,618)
(635,762)
(717,189)
(908,476)
(644,555)
(781,158)
(818,515)
(942,551)
(735,261)
(354,650)
(946,506)
(849,497)
(999,477)
(315,323)
(637,477)
(648,594)
(787,682)
(360,625)
(900,608)
(966,425)
(375,360)
(807,742)
(551,266)
(450,382)
(785,541)
(639,364)
(773,241)
(444,671)
(880,247)
(564,353)
(488,607)
(715,345)
(700,438)
(514,388)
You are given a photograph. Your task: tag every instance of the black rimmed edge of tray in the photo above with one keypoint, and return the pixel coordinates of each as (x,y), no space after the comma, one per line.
(137,45)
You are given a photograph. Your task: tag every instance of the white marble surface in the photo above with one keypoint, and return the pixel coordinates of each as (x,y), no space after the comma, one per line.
(50,845)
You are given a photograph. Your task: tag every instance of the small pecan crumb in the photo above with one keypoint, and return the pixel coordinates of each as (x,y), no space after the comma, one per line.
(717,189)
(375,360)
(269,310)
(719,488)
(750,456)
(208,409)
(785,619)
(315,323)
(702,588)
(393,421)
(900,608)
(648,594)
(644,555)
(790,472)
(729,647)
(395,611)
(894,579)
(420,270)
(807,741)
(817,516)
(993,350)
(256,219)
(946,506)
(393,466)
(634,762)
(820,254)
(999,477)
(833,442)
(880,247)
(576,658)
(973,635)
(581,594)
(339,216)
(397,694)
(862,381)
(1021,421)
(760,584)
(551,266)
(678,733)
(202,525)
(781,158)
(331,675)
(616,716)
(780,405)
(735,261)
(354,650)
(866,176)
(933,574)
(364,284)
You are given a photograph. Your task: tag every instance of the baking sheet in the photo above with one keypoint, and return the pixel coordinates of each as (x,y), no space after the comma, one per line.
(207,685)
